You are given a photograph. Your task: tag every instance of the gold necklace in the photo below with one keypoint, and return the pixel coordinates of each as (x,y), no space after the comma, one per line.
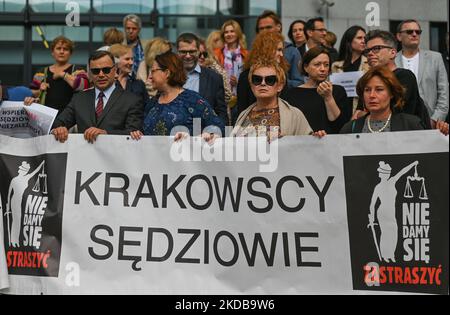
(382,128)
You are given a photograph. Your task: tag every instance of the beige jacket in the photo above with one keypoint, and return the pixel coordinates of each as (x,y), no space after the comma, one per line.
(292,120)
(338,67)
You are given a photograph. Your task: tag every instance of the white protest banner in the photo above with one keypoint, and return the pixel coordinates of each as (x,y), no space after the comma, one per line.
(4,282)
(20,121)
(154,217)
(348,80)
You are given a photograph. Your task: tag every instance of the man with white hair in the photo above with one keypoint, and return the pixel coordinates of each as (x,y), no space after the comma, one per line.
(428,67)
(132,25)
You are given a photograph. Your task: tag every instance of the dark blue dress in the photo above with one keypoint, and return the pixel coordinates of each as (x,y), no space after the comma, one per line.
(162,118)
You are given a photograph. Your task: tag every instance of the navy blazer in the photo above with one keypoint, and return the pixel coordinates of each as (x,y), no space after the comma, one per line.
(211,88)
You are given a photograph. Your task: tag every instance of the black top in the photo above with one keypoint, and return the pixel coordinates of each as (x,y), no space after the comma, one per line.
(60,92)
(414,104)
(313,107)
(138,88)
(399,122)
(245,96)
(302,50)
(353,66)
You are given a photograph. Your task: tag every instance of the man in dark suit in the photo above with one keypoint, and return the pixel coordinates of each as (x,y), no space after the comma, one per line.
(104,109)
(204,81)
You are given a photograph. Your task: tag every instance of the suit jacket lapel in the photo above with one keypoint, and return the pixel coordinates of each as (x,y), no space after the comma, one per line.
(202,83)
(92,102)
(399,60)
(422,59)
(112,100)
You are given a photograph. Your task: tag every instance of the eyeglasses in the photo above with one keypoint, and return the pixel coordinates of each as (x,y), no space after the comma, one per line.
(410,32)
(270,80)
(203,54)
(188,52)
(105,70)
(157,69)
(375,49)
(322,30)
(265,28)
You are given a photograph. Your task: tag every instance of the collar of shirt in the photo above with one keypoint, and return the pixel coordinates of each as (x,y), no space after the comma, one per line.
(136,42)
(197,69)
(107,93)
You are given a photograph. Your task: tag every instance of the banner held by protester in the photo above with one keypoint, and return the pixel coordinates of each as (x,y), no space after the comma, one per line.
(20,121)
(158,219)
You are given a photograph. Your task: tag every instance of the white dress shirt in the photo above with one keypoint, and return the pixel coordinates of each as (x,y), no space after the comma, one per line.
(107,94)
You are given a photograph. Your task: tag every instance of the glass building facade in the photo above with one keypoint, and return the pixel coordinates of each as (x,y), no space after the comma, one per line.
(22,50)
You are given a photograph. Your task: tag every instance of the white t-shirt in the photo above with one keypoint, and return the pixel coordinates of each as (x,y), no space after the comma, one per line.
(412,64)
(4,283)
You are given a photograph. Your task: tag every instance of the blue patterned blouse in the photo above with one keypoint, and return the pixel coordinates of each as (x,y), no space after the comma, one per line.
(162,118)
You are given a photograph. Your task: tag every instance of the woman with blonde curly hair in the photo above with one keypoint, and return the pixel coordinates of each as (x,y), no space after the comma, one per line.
(267,46)
(270,116)
(154,48)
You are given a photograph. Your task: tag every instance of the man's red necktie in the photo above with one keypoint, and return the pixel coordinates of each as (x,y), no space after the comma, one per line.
(99,108)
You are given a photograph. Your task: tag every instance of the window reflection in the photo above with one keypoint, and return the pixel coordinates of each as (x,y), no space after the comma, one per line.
(250,7)
(79,35)
(12,5)
(202,7)
(58,6)
(172,27)
(123,6)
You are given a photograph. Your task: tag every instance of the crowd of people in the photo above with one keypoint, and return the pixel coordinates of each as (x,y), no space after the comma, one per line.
(271,88)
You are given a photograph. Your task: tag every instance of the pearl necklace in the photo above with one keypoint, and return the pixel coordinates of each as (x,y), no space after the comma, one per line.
(382,128)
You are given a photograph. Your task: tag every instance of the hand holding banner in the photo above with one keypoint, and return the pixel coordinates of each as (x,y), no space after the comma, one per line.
(20,121)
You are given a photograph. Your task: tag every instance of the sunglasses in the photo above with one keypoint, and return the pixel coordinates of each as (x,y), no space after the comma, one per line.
(375,49)
(203,54)
(188,52)
(410,32)
(270,80)
(105,70)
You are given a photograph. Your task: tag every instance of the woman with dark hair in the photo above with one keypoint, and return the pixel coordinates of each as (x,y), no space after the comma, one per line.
(297,35)
(383,95)
(325,105)
(174,106)
(351,56)
(351,51)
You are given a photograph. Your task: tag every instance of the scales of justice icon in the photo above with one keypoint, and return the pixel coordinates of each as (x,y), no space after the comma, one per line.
(41,182)
(408,189)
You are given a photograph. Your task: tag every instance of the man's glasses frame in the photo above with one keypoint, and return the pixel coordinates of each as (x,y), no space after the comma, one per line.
(410,32)
(105,70)
(376,49)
